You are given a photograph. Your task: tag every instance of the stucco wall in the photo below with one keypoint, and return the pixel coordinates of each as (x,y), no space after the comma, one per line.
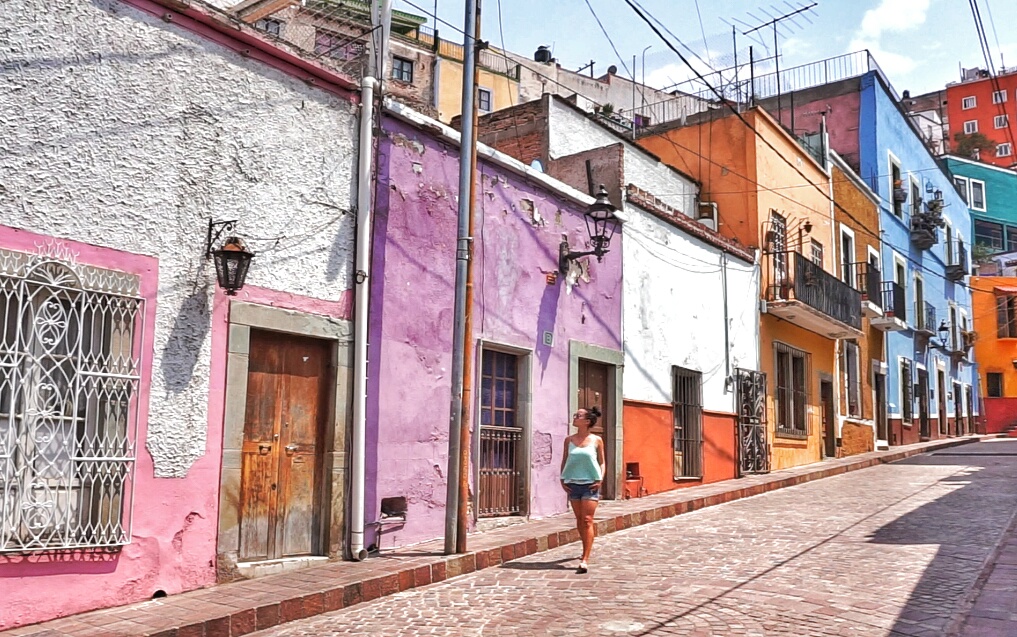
(519,226)
(123,131)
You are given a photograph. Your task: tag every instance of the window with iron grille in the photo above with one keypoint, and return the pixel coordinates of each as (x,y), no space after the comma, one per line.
(1006,316)
(792,387)
(852,379)
(402,69)
(907,410)
(69,391)
(688,423)
(498,385)
(994,384)
(500,460)
(336,47)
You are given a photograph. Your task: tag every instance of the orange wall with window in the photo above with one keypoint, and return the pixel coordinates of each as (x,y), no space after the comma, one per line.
(648,441)
(994,355)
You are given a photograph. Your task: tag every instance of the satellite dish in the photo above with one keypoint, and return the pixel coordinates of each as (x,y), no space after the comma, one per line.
(536,165)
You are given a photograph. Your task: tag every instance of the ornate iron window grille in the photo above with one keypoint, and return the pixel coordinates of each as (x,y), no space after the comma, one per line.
(70,375)
(793,374)
(688,424)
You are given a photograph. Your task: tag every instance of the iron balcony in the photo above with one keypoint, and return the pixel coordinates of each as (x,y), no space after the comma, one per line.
(957,261)
(867,281)
(802,292)
(894,318)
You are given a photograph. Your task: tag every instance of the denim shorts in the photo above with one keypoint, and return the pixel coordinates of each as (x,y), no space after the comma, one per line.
(582,491)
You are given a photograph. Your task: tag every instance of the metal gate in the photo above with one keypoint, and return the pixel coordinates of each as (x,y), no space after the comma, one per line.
(753,451)
(501,481)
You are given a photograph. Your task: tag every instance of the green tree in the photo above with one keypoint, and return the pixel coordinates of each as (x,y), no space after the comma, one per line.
(967,144)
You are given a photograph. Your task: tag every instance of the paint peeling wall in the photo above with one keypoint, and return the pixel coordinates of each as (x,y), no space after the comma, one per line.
(125,132)
(519,227)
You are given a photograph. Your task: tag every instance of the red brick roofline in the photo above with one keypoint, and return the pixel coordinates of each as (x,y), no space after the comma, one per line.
(217,26)
(651,204)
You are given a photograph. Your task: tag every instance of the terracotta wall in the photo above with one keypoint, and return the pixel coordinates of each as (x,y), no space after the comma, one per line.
(648,441)
(856,438)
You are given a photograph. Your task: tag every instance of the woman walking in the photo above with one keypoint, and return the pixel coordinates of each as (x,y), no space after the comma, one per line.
(582,471)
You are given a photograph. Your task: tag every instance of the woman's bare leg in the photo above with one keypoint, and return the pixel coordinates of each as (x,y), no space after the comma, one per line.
(584,510)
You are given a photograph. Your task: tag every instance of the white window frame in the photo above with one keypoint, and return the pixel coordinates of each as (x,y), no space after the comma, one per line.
(966,186)
(1000,121)
(1004,146)
(894,161)
(900,260)
(948,239)
(999,97)
(490,99)
(971,127)
(850,274)
(969,102)
(971,199)
(872,252)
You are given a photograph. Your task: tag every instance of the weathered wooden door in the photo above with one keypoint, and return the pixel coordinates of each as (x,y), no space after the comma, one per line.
(287,401)
(941,387)
(958,410)
(829,419)
(879,386)
(924,426)
(594,384)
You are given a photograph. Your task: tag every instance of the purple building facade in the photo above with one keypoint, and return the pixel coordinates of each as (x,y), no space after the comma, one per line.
(543,342)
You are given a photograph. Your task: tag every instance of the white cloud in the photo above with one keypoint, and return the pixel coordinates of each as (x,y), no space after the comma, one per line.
(893,15)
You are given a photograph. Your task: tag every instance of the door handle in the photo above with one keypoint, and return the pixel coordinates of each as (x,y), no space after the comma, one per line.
(264,450)
(290,449)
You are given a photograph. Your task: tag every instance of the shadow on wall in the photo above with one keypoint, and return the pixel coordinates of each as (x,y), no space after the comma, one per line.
(546,318)
(183,347)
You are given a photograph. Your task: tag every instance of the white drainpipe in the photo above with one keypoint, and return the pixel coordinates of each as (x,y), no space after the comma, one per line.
(360,318)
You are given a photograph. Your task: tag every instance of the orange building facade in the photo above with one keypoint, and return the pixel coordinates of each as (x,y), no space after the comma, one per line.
(994,304)
(774,195)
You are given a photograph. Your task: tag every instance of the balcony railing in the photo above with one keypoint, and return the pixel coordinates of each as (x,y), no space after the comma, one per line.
(894,301)
(792,277)
(957,261)
(867,278)
(925,318)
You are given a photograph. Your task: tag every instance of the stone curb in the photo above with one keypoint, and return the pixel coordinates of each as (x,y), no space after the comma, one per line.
(275,608)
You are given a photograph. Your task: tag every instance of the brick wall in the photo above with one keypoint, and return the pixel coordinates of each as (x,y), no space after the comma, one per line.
(856,438)
(520,131)
(606,164)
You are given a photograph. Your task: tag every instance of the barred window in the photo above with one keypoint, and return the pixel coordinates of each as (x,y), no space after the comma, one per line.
(69,385)
(907,409)
(852,379)
(792,367)
(688,423)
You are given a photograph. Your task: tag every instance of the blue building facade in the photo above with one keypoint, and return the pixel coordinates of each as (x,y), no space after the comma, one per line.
(926,237)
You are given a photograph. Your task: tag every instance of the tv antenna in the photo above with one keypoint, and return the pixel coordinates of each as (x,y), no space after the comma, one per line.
(775,22)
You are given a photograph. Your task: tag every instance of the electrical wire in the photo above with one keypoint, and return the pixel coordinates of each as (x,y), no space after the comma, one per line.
(632,73)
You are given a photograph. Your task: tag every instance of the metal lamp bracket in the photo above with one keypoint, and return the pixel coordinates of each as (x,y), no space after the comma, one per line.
(216,230)
(565,256)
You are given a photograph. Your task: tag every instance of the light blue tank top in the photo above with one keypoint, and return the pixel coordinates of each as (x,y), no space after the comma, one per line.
(581,464)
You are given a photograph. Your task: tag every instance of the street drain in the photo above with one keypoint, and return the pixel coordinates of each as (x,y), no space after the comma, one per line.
(619,626)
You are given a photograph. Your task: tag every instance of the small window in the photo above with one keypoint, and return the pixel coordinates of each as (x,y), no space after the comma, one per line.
(688,423)
(998,97)
(336,47)
(989,234)
(1006,316)
(962,187)
(1000,121)
(977,195)
(1004,150)
(971,126)
(402,70)
(907,401)
(994,383)
(484,100)
(969,103)
(1011,239)
(916,198)
(847,251)
(895,183)
(817,253)
(498,389)
(268,25)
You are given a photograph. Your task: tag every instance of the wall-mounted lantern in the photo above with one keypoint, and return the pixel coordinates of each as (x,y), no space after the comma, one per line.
(601,224)
(944,331)
(232,259)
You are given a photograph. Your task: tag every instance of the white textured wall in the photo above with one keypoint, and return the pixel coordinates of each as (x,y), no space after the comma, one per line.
(123,131)
(571,132)
(674,312)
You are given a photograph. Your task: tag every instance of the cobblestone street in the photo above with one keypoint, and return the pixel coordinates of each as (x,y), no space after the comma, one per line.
(892,550)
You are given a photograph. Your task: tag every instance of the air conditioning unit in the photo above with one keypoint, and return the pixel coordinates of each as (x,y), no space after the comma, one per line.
(707,214)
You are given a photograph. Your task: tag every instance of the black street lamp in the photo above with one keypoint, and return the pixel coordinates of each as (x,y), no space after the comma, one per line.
(601,224)
(232,259)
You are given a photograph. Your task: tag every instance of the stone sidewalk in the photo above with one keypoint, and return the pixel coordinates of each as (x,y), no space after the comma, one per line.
(993,607)
(243,607)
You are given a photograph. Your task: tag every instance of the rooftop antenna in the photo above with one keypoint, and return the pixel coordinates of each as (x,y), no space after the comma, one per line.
(775,23)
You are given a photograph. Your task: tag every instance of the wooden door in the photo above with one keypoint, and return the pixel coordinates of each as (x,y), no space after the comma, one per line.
(958,410)
(287,400)
(594,383)
(879,385)
(829,419)
(924,428)
(941,388)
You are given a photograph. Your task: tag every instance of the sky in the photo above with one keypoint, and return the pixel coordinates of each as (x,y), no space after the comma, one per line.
(919,44)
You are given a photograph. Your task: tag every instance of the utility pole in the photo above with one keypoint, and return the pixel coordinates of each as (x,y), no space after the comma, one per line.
(463,245)
(468,355)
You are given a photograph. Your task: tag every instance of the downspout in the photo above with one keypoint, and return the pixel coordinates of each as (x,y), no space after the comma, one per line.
(838,258)
(727,325)
(360,319)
